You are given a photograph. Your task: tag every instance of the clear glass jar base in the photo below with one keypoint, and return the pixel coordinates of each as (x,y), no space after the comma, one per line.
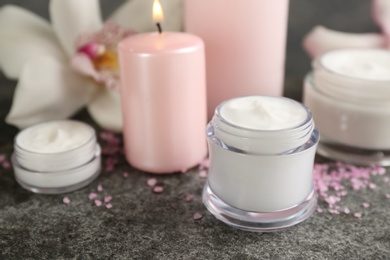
(59,190)
(353,155)
(257,221)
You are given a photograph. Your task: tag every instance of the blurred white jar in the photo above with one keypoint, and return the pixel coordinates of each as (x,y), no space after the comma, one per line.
(56,156)
(348,92)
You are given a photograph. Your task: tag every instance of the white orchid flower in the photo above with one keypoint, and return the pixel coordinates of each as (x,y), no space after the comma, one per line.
(321,39)
(40,56)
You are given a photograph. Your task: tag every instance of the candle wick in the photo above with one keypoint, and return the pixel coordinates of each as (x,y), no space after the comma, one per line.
(159,27)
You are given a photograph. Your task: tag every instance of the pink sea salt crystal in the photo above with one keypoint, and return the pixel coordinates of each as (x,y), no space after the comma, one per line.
(110,163)
(158,189)
(203,174)
(189,197)
(107,199)
(109,205)
(110,150)
(372,186)
(115,141)
(356,184)
(125,175)
(321,185)
(357,215)
(106,135)
(6,165)
(388,196)
(382,171)
(109,168)
(331,200)
(365,205)
(319,210)
(330,178)
(110,138)
(66,200)
(204,164)
(152,182)
(92,196)
(99,188)
(198,216)
(98,203)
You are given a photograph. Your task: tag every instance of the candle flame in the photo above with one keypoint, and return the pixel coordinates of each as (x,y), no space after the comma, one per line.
(158,14)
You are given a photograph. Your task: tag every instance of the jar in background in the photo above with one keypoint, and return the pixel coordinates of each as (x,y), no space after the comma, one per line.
(348,93)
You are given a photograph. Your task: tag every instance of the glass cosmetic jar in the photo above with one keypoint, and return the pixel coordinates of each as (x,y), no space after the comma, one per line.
(56,157)
(348,92)
(261,163)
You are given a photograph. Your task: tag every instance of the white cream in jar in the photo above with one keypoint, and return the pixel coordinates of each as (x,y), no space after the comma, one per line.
(348,93)
(263,113)
(262,153)
(55,137)
(56,156)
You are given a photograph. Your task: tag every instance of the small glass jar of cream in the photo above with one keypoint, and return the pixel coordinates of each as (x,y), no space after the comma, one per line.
(348,92)
(261,163)
(56,157)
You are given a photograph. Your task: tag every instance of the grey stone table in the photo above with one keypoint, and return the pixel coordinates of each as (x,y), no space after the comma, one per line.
(145,225)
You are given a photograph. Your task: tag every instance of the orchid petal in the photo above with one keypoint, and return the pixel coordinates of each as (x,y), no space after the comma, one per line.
(381,14)
(24,36)
(72,18)
(137,15)
(84,65)
(321,39)
(47,90)
(105,108)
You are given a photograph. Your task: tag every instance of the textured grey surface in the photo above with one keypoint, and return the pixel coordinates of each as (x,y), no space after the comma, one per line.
(144,225)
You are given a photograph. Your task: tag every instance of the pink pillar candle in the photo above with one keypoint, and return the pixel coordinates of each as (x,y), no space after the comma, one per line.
(163,101)
(245,46)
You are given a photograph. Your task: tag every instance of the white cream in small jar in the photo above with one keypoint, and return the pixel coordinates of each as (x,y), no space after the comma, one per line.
(348,92)
(261,162)
(56,156)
